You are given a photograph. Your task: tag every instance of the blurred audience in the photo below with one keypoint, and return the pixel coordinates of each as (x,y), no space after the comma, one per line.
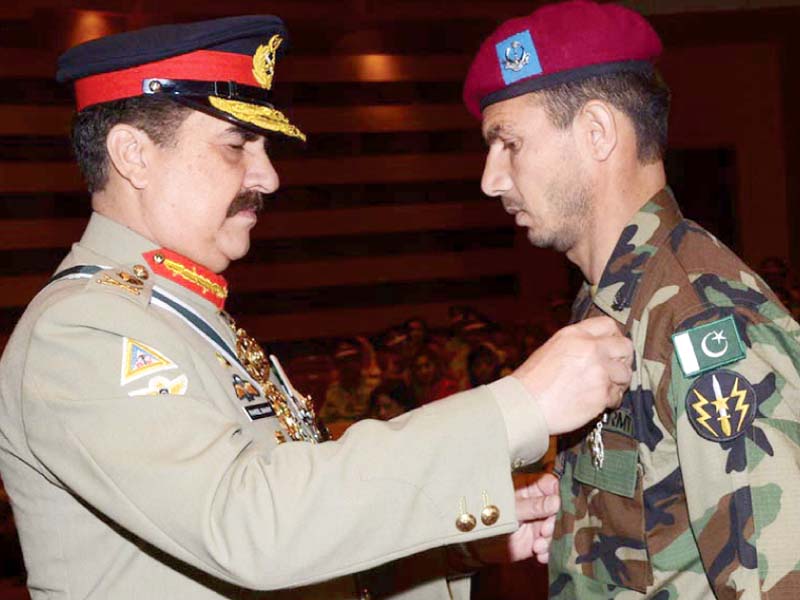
(347,396)
(390,399)
(483,364)
(429,381)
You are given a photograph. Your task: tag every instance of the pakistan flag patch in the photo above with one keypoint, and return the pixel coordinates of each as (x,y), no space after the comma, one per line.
(708,346)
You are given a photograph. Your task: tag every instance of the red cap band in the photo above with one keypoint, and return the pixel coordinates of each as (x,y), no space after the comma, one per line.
(200,65)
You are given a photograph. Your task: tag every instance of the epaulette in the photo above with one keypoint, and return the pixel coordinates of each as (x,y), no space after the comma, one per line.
(119,280)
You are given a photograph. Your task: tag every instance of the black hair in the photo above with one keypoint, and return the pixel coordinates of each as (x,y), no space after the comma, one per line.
(158,117)
(643,97)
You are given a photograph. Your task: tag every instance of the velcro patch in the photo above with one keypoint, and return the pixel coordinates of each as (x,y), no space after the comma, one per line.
(620,421)
(721,405)
(708,346)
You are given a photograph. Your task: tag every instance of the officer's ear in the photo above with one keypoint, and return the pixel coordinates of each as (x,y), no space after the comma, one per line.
(597,129)
(127,148)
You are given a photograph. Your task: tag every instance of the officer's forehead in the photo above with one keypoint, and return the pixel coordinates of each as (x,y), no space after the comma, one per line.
(199,123)
(506,117)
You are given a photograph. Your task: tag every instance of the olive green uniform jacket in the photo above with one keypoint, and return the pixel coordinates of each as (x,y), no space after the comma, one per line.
(697,495)
(138,466)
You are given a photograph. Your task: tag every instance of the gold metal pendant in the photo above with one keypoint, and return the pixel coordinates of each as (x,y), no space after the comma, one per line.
(295,414)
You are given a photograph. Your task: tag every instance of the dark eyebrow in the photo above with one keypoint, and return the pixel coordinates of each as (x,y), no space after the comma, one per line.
(496,131)
(247,135)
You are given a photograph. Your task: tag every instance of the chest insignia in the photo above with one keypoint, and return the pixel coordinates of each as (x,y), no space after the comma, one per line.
(140,360)
(161,385)
(245,390)
(721,405)
(708,346)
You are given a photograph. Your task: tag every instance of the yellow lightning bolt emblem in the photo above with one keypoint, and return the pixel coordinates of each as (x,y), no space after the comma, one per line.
(704,416)
(721,406)
(741,405)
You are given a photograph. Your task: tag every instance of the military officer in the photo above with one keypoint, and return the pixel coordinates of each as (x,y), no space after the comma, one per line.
(688,489)
(150,447)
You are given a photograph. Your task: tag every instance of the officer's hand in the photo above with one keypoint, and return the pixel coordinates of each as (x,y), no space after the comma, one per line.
(537,502)
(578,373)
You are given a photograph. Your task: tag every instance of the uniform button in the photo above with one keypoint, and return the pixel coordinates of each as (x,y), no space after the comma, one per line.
(140,271)
(518,463)
(490,514)
(466,522)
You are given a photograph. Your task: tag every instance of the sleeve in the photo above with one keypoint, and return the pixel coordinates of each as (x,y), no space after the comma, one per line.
(738,441)
(176,471)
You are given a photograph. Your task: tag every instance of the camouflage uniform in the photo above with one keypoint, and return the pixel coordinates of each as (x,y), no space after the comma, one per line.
(697,493)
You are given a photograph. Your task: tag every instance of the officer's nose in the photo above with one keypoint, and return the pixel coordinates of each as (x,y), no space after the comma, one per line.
(261,175)
(496,180)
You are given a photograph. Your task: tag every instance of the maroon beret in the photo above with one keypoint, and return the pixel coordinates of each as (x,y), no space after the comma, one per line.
(558,43)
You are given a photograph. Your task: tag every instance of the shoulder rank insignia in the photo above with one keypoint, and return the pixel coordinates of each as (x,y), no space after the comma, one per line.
(139,360)
(121,280)
(161,385)
(708,346)
(721,405)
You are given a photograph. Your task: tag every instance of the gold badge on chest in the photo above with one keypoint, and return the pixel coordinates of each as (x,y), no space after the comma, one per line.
(294,411)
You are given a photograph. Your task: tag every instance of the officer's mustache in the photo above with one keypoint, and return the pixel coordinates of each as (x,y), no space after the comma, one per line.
(248,200)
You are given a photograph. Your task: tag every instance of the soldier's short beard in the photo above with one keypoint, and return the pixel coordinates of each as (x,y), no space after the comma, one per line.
(247,200)
(570,202)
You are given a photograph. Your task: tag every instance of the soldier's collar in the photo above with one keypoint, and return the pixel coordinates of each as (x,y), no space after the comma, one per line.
(639,241)
(189,275)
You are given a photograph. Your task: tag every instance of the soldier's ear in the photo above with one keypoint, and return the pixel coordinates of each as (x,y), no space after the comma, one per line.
(597,129)
(127,148)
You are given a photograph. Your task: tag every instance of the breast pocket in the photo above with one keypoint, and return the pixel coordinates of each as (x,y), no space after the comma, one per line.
(601,529)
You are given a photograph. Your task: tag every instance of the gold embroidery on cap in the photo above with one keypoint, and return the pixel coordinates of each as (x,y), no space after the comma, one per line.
(188,274)
(260,116)
(264,61)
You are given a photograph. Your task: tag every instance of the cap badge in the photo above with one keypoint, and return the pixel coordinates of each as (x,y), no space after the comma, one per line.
(518,57)
(265,117)
(264,61)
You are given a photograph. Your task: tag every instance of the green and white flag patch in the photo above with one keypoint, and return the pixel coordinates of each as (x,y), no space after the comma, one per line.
(708,346)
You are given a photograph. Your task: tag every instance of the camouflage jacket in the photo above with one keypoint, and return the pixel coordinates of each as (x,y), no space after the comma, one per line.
(696,493)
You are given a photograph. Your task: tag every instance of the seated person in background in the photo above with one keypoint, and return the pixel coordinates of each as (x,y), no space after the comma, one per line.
(483,365)
(391,355)
(347,397)
(428,380)
(390,399)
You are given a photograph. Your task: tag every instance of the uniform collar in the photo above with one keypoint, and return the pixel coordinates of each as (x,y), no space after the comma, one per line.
(638,243)
(189,275)
(179,274)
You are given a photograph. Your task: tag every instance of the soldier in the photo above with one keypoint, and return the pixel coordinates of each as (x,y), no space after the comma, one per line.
(151,449)
(688,489)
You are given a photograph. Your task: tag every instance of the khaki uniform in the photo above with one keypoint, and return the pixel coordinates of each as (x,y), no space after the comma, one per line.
(696,493)
(142,464)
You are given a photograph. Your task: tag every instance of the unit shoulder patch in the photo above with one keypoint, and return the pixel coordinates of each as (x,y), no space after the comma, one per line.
(721,405)
(708,346)
(140,360)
